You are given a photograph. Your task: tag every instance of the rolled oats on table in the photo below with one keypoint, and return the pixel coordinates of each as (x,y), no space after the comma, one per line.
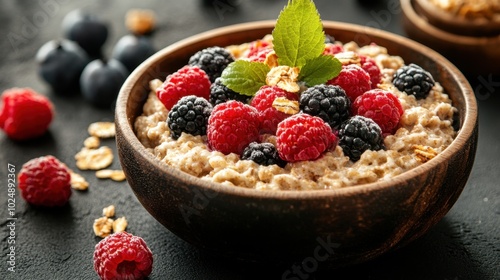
(78,182)
(94,159)
(115,175)
(102,129)
(103,226)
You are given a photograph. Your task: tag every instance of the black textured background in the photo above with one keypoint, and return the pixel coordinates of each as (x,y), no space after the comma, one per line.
(59,243)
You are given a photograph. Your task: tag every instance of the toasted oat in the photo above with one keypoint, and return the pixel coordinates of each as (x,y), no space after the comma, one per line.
(108,211)
(286,106)
(348,58)
(271,59)
(424,153)
(285,77)
(92,142)
(78,182)
(102,129)
(154,84)
(140,21)
(120,224)
(115,175)
(103,226)
(94,159)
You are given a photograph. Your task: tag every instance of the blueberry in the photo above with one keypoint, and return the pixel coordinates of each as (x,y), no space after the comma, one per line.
(101,81)
(132,50)
(61,63)
(86,29)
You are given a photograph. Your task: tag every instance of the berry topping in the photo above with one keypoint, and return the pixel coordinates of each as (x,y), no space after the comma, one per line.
(261,55)
(370,66)
(263,154)
(219,93)
(332,49)
(327,102)
(268,115)
(188,80)
(232,126)
(122,255)
(413,80)
(45,181)
(89,31)
(132,50)
(61,63)
(358,134)
(381,106)
(353,79)
(25,114)
(189,115)
(303,137)
(101,81)
(258,46)
(212,60)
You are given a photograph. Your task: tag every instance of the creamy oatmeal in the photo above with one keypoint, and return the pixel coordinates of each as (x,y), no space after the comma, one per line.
(425,129)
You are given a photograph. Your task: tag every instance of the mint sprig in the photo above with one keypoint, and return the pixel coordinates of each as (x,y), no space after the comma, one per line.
(298,35)
(298,41)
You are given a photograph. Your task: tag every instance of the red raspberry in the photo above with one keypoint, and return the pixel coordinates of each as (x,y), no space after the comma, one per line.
(381,106)
(303,137)
(232,126)
(261,55)
(256,47)
(189,80)
(122,255)
(332,49)
(45,181)
(370,66)
(25,114)
(268,115)
(353,79)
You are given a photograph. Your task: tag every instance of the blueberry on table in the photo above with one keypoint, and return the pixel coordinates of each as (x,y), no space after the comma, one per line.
(60,64)
(132,50)
(101,81)
(86,29)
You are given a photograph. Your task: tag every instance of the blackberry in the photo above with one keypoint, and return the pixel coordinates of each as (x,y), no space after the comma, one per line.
(359,134)
(413,80)
(190,114)
(219,93)
(212,60)
(328,102)
(263,154)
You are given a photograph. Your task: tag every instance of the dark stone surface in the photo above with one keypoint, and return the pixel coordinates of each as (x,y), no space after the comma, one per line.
(59,243)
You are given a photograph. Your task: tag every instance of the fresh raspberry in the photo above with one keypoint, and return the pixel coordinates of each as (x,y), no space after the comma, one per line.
(256,46)
(263,102)
(189,80)
(353,79)
(122,255)
(332,49)
(261,55)
(232,126)
(381,106)
(370,66)
(303,137)
(45,181)
(25,114)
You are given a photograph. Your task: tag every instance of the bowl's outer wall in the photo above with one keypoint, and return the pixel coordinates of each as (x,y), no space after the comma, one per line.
(347,226)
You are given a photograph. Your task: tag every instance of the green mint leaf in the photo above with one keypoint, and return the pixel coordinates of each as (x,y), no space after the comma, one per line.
(245,77)
(298,35)
(320,69)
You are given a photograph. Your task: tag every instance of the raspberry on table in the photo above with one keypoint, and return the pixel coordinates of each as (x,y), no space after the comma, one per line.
(189,115)
(45,181)
(381,106)
(358,134)
(327,102)
(353,79)
(232,126)
(303,137)
(263,154)
(263,102)
(188,80)
(212,60)
(219,93)
(122,255)
(413,80)
(370,66)
(25,114)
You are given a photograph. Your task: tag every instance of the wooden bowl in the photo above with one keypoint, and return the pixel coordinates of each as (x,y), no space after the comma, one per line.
(474,27)
(334,227)
(473,55)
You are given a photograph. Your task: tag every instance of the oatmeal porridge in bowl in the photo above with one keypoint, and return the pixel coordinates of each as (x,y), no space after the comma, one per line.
(357,201)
